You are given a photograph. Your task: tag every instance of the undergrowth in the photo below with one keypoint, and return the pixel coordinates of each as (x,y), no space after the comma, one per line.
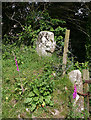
(45,90)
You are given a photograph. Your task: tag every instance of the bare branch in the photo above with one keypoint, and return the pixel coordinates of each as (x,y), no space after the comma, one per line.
(78,27)
(11,18)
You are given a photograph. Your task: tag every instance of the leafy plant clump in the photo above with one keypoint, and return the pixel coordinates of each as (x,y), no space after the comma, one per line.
(40,92)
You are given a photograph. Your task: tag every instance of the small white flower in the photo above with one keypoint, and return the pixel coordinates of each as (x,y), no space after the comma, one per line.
(6,98)
(66,88)
(82,108)
(27,109)
(15,26)
(54,74)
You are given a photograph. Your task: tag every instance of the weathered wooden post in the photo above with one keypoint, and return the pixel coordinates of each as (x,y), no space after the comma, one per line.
(65,51)
(86,89)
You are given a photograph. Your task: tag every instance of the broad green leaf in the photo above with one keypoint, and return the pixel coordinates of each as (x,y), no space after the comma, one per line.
(41,99)
(27,100)
(46,93)
(51,103)
(44,88)
(41,91)
(43,103)
(31,94)
(35,98)
(50,76)
(47,99)
(36,91)
(33,106)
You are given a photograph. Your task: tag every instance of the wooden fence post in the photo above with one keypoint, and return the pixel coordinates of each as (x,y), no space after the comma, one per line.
(65,51)
(86,88)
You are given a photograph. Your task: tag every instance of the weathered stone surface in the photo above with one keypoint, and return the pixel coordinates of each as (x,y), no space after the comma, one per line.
(75,78)
(45,43)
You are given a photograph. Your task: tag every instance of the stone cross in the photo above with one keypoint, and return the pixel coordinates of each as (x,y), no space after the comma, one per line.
(45,43)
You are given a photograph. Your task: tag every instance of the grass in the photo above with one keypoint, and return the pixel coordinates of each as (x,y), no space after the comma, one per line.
(30,65)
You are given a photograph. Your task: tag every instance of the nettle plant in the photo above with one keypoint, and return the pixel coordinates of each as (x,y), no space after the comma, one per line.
(40,90)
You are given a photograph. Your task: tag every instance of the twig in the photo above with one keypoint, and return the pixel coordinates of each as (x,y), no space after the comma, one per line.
(11,18)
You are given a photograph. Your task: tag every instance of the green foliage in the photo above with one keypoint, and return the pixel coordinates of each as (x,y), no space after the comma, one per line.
(42,22)
(73,66)
(81,66)
(6,51)
(39,88)
(18,90)
(39,92)
(36,22)
(36,76)
(73,113)
(28,36)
